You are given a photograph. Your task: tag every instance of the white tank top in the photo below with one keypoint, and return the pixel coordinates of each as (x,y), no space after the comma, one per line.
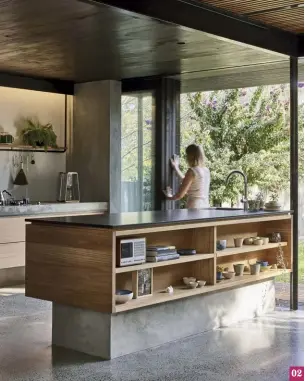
(198,194)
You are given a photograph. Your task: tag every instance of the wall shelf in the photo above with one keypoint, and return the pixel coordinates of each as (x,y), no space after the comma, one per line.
(149,265)
(248,249)
(182,292)
(12,147)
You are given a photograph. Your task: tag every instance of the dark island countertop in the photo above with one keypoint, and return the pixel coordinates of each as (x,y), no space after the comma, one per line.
(144,219)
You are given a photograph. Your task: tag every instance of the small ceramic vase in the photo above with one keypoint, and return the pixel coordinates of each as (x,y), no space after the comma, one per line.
(239,269)
(255,268)
(238,242)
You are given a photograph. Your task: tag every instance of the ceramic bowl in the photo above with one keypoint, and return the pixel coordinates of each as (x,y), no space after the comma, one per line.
(229,274)
(265,268)
(193,285)
(265,240)
(263,263)
(123,296)
(248,241)
(258,242)
(187,280)
(201,283)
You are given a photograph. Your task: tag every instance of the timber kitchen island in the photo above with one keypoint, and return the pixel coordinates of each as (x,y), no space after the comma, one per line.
(73,262)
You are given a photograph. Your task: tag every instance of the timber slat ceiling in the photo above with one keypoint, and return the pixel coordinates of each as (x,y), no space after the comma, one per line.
(284,14)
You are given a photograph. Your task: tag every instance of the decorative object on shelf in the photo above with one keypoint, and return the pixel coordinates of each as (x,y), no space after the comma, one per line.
(36,134)
(226,269)
(265,268)
(238,242)
(247,269)
(21,178)
(201,283)
(221,244)
(33,159)
(170,290)
(131,251)
(258,241)
(193,285)
(145,280)
(229,274)
(273,204)
(248,241)
(274,266)
(219,271)
(187,280)
(261,199)
(255,268)
(6,138)
(186,251)
(265,240)
(239,269)
(275,237)
(123,296)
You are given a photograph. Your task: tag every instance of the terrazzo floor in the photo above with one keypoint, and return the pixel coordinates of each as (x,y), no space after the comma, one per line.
(258,350)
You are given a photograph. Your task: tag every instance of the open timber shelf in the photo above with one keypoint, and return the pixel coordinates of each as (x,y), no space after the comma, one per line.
(248,249)
(150,265)
(183,292)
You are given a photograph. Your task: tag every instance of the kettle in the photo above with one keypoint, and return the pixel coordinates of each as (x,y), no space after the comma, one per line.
(68,187)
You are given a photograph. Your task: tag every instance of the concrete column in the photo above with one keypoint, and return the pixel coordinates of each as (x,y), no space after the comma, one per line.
(95,151)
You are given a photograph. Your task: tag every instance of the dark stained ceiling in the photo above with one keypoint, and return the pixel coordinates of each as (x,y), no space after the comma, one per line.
(78,41)
(284,14)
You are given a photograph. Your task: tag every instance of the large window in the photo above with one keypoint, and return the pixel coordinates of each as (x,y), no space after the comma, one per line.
(137,155)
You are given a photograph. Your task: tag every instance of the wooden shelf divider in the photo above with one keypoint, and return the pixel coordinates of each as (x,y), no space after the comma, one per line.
(182,292)
(149,265)
(248,249)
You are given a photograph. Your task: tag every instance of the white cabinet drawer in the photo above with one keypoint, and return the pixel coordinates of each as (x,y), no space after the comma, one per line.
(12,229)
(12,255)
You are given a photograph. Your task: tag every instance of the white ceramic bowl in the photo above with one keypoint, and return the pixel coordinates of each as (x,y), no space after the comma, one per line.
(229,274)
(123,296)
(193,284)
(201,283)
(187,280)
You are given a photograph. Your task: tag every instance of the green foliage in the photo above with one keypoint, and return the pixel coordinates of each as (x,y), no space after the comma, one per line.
(36,134)
(246,129)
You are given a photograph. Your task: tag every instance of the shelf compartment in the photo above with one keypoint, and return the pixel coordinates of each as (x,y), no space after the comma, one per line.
(248,249)
(149,265)
(182,292)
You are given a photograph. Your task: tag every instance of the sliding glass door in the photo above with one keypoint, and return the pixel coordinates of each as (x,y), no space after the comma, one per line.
(138,152)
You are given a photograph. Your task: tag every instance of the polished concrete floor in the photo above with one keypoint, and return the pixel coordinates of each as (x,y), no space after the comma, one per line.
(258,350)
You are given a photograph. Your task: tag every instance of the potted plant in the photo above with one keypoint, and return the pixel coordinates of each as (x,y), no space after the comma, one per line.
(273,202)
(36,134)
(219,271)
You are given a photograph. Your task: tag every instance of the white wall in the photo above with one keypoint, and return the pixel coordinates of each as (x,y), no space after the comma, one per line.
(42,176)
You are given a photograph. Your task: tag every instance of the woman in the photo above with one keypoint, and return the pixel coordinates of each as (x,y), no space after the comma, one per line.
(196,182)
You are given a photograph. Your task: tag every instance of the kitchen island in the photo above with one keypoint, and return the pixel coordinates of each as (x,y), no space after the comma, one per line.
(71,261)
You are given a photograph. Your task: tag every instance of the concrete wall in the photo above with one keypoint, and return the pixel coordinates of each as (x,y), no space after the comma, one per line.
(42,177)
(96,141)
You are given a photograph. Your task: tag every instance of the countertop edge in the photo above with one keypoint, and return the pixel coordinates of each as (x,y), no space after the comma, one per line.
(165,223)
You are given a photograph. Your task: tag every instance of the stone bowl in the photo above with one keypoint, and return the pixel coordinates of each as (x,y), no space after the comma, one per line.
(192,284)
(187,280)
(228,274)
(123,296)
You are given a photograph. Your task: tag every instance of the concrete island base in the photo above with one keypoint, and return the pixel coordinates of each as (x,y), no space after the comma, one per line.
(112,335)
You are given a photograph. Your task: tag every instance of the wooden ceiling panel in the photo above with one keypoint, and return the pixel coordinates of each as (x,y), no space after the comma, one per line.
(270,12)
(72,40)
(287,19)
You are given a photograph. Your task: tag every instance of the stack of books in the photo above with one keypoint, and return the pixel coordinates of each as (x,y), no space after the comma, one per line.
(161,253)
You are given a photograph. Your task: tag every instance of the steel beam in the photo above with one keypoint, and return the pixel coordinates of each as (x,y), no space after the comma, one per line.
(294,162)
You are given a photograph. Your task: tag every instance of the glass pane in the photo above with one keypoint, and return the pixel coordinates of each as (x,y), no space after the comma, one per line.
(137,153)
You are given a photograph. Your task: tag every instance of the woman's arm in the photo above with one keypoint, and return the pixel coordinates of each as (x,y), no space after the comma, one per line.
(185,186)
(175,166)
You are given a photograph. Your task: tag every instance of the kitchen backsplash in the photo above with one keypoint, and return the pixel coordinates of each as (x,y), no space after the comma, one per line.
(42,176)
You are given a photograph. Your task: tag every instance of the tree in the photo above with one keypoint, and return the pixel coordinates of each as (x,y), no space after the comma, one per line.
(245,129)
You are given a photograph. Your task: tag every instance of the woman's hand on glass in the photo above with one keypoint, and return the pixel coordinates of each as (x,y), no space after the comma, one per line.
(174,160)
(168,192)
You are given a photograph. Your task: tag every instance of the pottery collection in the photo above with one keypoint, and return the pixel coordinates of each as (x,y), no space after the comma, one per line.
(255,269)
(239,269)
(238,242)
